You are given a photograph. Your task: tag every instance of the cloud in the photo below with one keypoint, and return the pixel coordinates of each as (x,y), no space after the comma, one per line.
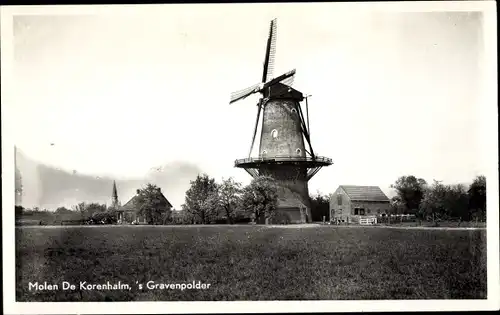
(48,187)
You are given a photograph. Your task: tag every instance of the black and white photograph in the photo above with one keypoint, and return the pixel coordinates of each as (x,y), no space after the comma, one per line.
(323,156)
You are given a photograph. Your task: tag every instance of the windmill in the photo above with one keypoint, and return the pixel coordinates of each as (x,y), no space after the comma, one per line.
(282,152)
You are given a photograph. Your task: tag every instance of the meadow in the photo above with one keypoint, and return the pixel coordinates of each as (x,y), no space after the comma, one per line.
(252,262)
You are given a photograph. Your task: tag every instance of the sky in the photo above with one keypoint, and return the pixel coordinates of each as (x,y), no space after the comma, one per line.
(118,93)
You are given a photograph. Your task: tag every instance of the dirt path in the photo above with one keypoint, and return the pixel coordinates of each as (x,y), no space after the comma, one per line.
(290,226)
(312,225)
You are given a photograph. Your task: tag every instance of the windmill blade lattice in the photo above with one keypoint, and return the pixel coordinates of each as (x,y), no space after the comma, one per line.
(279,79)
(288,81)
(268,73)
(241,94)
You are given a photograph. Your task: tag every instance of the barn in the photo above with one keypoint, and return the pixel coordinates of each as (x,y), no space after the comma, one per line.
(349,204)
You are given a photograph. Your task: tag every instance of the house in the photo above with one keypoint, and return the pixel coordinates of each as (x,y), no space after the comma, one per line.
(349,204)
(128,212)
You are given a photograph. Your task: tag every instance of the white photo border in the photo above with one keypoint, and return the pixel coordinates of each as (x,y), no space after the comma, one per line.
(489,134)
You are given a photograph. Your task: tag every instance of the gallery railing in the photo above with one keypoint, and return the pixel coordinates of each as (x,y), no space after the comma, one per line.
(320,159)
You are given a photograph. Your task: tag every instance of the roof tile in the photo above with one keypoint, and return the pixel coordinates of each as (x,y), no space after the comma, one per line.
(364,193)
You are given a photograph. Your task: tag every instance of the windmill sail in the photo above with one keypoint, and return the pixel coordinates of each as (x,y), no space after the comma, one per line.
(258,88)
(288,81)
(282,77)
(255,129)
(270,53)
(268,78)
(238,95)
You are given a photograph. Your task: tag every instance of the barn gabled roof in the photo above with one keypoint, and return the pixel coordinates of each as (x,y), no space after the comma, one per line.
(132,203)
(364,193)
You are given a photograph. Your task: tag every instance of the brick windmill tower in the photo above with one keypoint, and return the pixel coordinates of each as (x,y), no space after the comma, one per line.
(282,152)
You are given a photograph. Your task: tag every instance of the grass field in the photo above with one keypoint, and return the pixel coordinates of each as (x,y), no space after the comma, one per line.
(252,262)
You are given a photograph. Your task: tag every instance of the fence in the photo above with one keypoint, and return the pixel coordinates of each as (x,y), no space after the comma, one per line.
(396,218)
(368,221)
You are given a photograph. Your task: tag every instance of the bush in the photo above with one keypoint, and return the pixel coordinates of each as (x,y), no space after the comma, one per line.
(18,210)
(103,218)
(241,218)
(221,221)
(27,222)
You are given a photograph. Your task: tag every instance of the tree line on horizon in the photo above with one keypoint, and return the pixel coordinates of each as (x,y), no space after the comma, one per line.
(206,202)
(436,202)
(228,202)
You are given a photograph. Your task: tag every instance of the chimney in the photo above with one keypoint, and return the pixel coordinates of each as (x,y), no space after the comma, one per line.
(138,191)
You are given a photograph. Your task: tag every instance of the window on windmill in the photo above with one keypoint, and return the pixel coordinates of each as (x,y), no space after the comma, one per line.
(298,151)
(294,110)
(264,152)
(339,200)
(274,133)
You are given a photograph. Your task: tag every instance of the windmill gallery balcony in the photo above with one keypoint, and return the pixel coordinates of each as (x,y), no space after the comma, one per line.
(318,160)
(253,165)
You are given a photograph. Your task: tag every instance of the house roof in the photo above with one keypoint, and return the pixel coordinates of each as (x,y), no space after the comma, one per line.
(132,203)
(364,193)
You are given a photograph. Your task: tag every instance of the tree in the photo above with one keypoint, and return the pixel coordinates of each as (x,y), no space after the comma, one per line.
(457,202)
(201,200)
(153,205)
(18,211)
(86,210)
(229,197)
(63,210)
(445,202)
(397,206)
(411,191)
(93,208)
(433,205)
(80,208)
(477,197)
(320,207)
(182,217)
(260,198)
